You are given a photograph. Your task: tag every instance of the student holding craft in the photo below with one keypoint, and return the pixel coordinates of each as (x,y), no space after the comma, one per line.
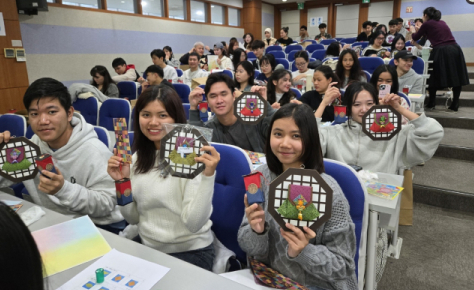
(79,187)
(321,259)
(415,143)
(172,213)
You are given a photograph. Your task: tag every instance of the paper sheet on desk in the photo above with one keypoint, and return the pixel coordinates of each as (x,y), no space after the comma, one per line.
(10,202)
(121,271)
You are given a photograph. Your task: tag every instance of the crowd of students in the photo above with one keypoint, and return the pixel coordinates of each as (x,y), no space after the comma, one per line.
(173,214)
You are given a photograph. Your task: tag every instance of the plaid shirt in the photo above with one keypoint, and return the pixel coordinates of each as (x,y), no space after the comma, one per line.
(326,35)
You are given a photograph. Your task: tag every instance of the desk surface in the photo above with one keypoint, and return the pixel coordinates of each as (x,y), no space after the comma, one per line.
(380,204)
(181,276)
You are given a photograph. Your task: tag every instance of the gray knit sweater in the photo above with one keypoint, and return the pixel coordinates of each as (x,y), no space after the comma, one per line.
(327,262)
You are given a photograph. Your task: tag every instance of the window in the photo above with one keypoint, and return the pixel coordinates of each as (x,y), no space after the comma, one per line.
(50,1)
(81,3)
(121,5)
(217,14)
(198,11)
(177,9)
(234,17)
(152,7)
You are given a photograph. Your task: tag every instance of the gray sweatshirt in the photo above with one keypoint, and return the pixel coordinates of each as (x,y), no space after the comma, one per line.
(415,143)
(88,189)
(327,262)
(411,79)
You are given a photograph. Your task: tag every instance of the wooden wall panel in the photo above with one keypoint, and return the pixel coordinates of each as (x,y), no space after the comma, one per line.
(8,8)
(12,98)
(363,15)
(12,28)
(252,18)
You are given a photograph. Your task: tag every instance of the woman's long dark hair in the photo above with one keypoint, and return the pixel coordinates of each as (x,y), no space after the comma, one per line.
(271,87)
(236,57)
(432,13)
(101,70)
(375,35)
(145,148)
(356,70)
(392,71)
(18,254)
(311,156)
(329,73)
(168,48)
(232,42)
(248,67)
(333,49)
(248,45)
(353,91)
(395,40)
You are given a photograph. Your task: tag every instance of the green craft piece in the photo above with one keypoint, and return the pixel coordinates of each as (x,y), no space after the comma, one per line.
(289,211)
(9,167)
(188,160)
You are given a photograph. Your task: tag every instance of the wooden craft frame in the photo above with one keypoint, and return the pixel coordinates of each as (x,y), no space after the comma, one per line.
(24,174)
(394,117)
(168,145)
(322,197)
(240,103)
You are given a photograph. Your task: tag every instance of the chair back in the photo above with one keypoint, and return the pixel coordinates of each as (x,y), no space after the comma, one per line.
(228,73)
(132,120)
(179,72)
(89,109)
(257,73)
(291,55)
(102,134)
(338,38)
(405,97)
(297,92)
(29,132)
(356,194)
(250,54)
(370,63)
(186,107)
(319,54)
(113,108)
(14,123)
(283,61)
(408,43)
(128,89)
(273,48)
(228,200)
(327,41)
(183,91)
(368,76)
(362,44)
(292,48)
(349,40)
(312,47)
(278,54)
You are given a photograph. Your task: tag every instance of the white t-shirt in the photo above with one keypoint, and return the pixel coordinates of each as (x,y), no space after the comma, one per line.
(189,75)
(226,63)
(169,73)
(297,73)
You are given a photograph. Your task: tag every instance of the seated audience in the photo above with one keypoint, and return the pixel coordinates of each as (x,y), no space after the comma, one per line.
(279,91)
(333,49)
(375,45)
(323,79)
(322,33)
(321,259)
(284,40)
(392,30)
(181,226)
(103,82)
(154,77)
(415,143)
(169,59)
(258,48)
(239,56)
(244,76)
(158,58)
(77,186)
(248,40)
(18,254)
(199,49)
(267,66)
(398,44)
(406,75)
(400,29)
(301,62)
(381,27)
(225,126)
(366,31)
(194,71)
(269,39)
(348,68)
(125,72)
(304,33)
(233,45)
(222,60)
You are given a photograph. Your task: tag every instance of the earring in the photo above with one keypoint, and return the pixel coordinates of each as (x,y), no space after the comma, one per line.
(302,166)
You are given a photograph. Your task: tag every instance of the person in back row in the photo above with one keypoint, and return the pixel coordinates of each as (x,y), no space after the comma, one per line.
(284,40)
(392,31)
(400,29)
(269,39)
(348,68)
(194,71)
(258,48)
(225,126)
(78,187)
(199,49)
(322,33)
(366,31)
(222,60)
(125,72)
(103,82)
(158,57)
(304,33)
(406,75)
(154,77)
(170,60)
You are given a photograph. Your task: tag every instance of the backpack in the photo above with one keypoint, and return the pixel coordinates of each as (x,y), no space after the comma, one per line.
(332,63)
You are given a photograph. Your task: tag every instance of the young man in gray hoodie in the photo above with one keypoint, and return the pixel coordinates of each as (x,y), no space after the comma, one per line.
(406,75)
(81,184)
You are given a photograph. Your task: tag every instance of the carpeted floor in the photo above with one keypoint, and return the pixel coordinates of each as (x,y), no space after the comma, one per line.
(458,137)
(437,252)
(440,111)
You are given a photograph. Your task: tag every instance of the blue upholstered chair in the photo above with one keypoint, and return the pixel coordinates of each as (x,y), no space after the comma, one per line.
(89,109)
(367,75)
(297,93)
(369,64)
(283,61)
(16,124)
(319,54)
(327,41)
(29,132)
(349,40)
(102,134)
(405,97)
(290,48)
(179,72)
(312,47)
(273,48)
(291,55)
(128,89)
(250,54)
(183,91)
(278,54)
(110,109)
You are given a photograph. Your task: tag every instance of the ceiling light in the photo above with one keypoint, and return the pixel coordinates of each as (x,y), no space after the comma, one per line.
(284,0)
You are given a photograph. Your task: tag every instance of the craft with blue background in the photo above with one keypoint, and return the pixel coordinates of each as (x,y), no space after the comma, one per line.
(253,187)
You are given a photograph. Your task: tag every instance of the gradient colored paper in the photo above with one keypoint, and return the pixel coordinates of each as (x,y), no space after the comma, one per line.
(69,244)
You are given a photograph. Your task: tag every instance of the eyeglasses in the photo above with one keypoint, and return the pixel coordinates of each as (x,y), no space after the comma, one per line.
(301,64)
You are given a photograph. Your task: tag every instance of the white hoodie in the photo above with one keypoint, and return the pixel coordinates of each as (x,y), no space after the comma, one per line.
(88,189)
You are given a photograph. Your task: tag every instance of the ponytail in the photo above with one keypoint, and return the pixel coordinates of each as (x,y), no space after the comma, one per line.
(432,13)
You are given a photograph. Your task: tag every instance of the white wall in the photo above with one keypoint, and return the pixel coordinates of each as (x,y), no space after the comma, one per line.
(381,12)
(316,12)
(347,20)
(290,19)
(236,3)
(268,21)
